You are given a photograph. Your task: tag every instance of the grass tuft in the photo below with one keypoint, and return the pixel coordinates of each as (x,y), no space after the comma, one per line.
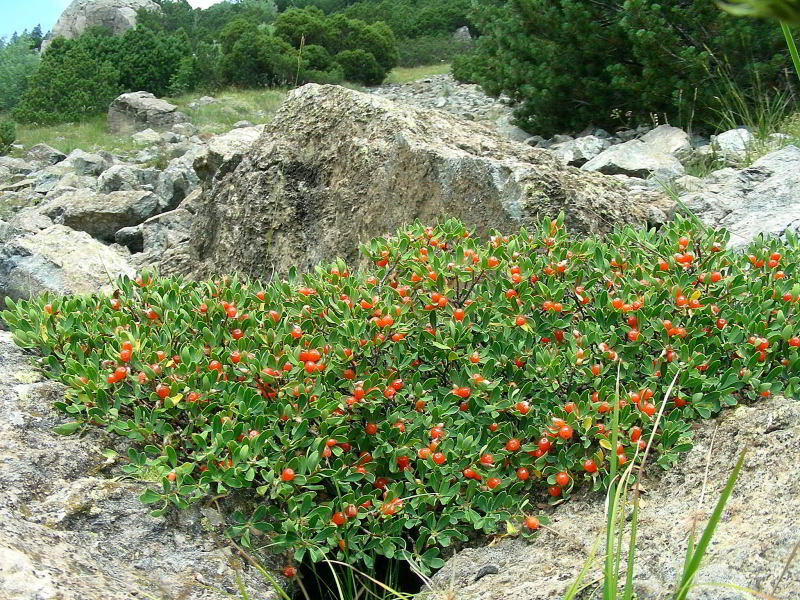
(407,74)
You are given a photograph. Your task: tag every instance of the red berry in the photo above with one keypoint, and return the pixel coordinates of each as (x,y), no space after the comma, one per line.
(512,445)
(532,523)
(287,474)
(562,479)
(589,465)
(522,474)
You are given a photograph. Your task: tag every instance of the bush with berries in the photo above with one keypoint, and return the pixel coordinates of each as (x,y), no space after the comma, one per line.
(454,387)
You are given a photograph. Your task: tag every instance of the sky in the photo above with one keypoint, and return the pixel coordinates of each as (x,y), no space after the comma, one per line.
(18,15)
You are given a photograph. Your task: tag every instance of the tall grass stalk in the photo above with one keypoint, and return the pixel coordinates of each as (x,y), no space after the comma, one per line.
(616,502)
(792,47)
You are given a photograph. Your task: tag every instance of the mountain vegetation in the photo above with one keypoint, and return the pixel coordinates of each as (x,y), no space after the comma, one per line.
(245,43)
(569,63)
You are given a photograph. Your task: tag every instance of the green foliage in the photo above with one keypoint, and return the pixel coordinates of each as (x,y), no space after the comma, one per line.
(430,50)
(259,59)
(8,135)
(787,11)
(570,63)
(72,82)
(413,18)
(308,25)
(148,60)
(202,70)
(350,39)
(360,66)
(78,78)
(203,26)
(18,62)
(393,394)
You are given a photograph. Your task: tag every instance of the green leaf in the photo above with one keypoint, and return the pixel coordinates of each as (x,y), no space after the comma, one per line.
(149,496)
(67,428)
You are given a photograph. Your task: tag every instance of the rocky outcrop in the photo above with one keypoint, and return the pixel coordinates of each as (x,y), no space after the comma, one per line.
(44,155)
(115,15)
(763,198)
(71,524)
(751,545)
(228,149)
(336,167)
(55,259)
(465,100)
(101,215)
(136,111)
(636,159)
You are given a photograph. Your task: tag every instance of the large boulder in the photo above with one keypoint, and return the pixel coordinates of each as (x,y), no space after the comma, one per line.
(225,149)
(57,259)
(579,151)
(136,111)
(115,15)
(102,215)
(636,159)
(668,140)
(751,545)
(44,155)
(336,167)
(127,177)
(763,198)
(71,524)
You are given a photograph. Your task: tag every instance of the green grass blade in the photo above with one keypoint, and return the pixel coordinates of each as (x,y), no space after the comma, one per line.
(792,48)
(576,585)
(610,582)
(708,532)
(627,593)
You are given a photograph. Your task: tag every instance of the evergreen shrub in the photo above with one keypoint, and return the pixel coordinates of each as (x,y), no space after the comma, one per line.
(571,63)
(450,388)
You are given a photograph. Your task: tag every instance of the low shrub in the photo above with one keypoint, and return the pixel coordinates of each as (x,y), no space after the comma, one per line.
(447,390)
(569,64)
(360,66)
(8,135)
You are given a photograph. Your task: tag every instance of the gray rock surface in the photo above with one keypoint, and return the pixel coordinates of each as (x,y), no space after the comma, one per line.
(101,215)
(85,163)
(227,148)
(126,177)
(733,143)
(465,100)
(146,137)
(668,140)
(44,155)
(750,548)
(178,180)
(12,201)
(337,166)
(71,524)
(202,101)
(56,259)
(115,15)
(579,151)
(636,159)
(16,166)
(764,198)
(136,111)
